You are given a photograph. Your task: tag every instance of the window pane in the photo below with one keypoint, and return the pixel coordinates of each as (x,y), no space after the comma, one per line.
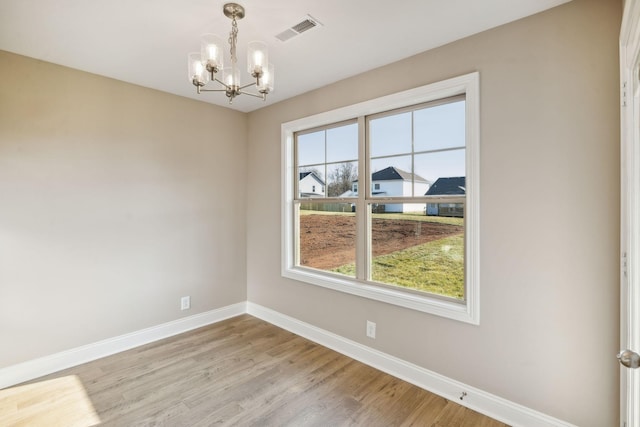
(327,237)
(310,148)
(418,251)
(442,164)
(311,182)
(442,126)
(390,135)
(342,143)
(342,177)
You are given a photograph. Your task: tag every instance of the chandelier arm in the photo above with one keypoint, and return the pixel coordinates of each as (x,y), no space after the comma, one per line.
(247,85)
(213,90)
(221,82)
(253,94)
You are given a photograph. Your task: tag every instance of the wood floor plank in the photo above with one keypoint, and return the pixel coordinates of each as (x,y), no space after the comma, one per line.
(239,372)
(429,408)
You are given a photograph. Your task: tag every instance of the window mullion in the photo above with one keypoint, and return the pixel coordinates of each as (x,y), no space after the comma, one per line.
(326,168)
(413,156)
(296,232)
(362,219)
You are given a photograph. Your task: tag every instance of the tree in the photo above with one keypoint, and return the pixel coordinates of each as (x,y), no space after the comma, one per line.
(341,178)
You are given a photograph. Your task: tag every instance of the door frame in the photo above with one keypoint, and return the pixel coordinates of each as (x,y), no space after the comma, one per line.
(630,208)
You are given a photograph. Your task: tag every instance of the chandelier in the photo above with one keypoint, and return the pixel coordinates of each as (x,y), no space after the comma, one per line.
(205,67)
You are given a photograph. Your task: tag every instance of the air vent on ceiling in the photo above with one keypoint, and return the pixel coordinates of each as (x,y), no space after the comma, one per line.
(307,23)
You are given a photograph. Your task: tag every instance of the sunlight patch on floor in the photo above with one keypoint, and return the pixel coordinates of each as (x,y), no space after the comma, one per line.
(52,403)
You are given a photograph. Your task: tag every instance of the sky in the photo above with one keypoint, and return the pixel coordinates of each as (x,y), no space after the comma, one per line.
(438,135)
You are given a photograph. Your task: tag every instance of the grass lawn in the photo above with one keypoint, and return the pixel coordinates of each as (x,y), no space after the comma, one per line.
(436,267)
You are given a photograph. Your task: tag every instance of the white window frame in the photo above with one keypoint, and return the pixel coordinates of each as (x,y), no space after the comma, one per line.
(467,311)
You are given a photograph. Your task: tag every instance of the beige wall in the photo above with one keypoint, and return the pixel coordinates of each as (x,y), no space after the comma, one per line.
(115,201)
(549,216)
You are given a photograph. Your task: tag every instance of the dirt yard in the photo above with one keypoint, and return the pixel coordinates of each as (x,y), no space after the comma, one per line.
(328,241)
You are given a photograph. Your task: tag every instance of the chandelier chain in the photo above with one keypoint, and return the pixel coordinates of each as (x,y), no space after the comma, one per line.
(233,39)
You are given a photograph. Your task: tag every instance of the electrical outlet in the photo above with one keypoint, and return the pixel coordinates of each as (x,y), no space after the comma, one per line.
(185,303)
(371,329)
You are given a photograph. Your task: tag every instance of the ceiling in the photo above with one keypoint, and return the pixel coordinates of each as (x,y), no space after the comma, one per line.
(146,42)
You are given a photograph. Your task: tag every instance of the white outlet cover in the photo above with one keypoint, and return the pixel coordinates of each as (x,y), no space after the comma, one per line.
(185,303)
(371,329)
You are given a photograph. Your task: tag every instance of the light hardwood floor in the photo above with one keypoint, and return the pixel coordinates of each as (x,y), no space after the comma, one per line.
(242,371)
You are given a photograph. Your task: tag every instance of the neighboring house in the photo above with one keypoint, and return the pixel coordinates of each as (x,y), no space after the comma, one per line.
(393,182)
(310,185)
(453,186)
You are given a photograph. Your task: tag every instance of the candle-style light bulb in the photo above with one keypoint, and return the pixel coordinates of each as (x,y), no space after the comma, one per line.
(266,81)
(212,53)
(196,68)
(257,58)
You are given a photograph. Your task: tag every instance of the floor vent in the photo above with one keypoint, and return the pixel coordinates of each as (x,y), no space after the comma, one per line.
(305,25)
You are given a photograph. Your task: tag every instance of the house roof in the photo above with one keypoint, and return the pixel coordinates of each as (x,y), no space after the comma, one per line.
(393,173)
(303,175)
(452,185)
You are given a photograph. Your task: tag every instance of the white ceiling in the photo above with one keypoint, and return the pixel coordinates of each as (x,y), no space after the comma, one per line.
(146,42)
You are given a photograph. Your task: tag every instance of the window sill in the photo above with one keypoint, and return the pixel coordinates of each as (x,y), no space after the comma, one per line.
(424,303)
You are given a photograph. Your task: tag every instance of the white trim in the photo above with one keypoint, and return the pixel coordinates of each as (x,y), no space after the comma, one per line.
(66,359)
(493,406)
(469,312)
(629,210)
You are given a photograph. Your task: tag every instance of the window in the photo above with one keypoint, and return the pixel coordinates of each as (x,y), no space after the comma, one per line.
(410,235)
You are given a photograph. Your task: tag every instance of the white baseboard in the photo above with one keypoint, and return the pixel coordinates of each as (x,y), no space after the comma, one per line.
(493,406)
(35,368)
